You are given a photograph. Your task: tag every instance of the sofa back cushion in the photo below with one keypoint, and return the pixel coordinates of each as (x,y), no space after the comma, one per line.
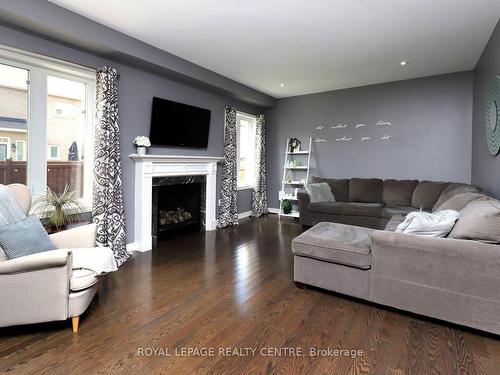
(459,202)
(365,190)
(339,187)
(398,192)
(454,188)
(479,221)
(426,194)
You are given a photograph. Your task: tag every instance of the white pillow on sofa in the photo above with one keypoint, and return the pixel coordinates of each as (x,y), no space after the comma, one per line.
(437,224)
(319,192)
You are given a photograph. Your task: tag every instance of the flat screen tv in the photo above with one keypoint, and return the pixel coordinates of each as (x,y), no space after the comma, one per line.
(178,124)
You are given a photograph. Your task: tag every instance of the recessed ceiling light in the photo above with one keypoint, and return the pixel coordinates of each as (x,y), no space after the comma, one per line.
(402,63)
(282,84)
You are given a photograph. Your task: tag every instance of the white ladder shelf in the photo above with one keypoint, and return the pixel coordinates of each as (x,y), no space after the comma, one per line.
(295,175)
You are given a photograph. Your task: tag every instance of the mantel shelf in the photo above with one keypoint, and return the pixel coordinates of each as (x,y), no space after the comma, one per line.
(176,158)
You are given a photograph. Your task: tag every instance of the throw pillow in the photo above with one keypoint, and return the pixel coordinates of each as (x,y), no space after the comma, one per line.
(339,187)
(320,192)
(23,238)
(437,224)
(479,221)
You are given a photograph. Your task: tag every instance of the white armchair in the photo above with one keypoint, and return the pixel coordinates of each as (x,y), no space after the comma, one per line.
(44,287)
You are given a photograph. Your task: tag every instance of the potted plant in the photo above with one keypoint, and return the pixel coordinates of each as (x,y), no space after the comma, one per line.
(142,142)
(286,206)
(60,209)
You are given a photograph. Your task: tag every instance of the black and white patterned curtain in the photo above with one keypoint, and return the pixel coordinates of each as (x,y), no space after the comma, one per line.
(228,209)
(107,207)
(259,192)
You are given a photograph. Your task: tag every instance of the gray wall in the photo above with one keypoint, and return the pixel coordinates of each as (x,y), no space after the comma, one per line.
(430,135)
(485,167)
(136,90)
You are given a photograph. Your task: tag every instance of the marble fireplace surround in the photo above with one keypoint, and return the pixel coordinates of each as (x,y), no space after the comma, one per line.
(148,167)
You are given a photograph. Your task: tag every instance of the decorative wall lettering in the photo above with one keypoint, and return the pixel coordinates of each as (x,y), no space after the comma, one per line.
(384,123)
(340,126)
(360,125)
(343,139)
(319,127)
(364,139)
(319,140)
(386,137)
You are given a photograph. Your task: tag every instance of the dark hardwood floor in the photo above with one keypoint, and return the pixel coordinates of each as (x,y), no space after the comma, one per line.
(233,289)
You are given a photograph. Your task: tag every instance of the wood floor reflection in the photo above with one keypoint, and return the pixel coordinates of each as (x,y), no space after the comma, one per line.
(232,289)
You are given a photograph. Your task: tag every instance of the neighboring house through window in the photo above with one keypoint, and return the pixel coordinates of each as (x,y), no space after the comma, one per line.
(46,121)
(245,128)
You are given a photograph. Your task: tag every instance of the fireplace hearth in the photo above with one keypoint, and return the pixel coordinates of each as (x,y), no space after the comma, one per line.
(178,206)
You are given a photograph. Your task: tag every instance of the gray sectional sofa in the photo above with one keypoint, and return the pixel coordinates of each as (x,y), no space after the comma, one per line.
(456,279)
(372,202)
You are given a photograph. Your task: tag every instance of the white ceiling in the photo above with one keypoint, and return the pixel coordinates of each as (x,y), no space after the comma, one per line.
(310,45)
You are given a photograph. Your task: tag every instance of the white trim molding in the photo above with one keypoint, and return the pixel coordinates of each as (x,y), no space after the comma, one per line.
(273,210)
(149,166)
(242,215)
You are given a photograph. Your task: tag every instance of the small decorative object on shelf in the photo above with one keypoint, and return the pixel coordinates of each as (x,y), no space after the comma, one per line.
(142,143)
(60,209)
(286,206)
(293,145)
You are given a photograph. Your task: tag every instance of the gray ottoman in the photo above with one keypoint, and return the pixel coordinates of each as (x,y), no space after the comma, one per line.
(336,257)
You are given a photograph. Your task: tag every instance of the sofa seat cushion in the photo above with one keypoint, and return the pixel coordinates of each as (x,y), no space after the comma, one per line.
(362,209)
(327,207)
(389,211)
(336,243)
(365,190)
(398,192)
(393,223)
(82,278)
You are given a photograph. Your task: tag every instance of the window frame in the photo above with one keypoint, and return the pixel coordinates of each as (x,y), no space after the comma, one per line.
(39,68)
(252,130)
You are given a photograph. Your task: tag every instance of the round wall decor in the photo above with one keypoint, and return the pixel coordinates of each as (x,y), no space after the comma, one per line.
(492,118)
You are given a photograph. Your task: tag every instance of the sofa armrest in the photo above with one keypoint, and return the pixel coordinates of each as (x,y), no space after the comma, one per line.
(39,261)
(35,288)
(82,236)
(304,200)
(462,266)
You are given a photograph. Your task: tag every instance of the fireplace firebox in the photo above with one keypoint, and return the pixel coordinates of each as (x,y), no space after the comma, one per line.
(178,206)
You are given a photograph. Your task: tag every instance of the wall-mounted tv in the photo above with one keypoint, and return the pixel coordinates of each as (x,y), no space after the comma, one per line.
(178,124)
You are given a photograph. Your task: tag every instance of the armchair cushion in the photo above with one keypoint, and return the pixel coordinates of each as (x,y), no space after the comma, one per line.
(25,237)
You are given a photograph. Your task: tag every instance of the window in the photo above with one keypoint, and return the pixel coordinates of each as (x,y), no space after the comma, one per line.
(53,152)
(20,151)
(46,115)
(245,130)
(65,110)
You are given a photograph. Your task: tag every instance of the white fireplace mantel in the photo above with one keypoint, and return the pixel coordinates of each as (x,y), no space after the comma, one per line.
(149,166)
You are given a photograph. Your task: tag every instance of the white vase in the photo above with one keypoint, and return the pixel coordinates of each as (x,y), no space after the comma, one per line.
(141,150)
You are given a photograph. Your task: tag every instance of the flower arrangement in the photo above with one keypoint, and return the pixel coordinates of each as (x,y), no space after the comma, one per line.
(142,141)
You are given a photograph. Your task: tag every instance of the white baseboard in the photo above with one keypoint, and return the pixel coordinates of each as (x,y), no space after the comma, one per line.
(131,247)
(273,210)
(243,215)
